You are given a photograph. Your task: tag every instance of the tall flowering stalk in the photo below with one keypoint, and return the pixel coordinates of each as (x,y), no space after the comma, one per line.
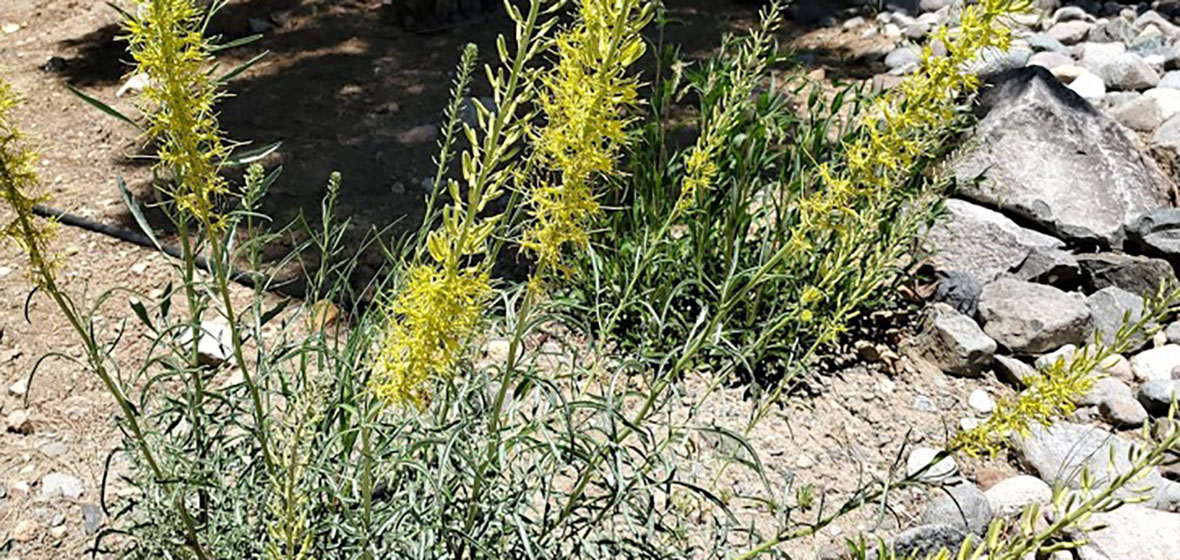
(861,194)
(18,189)
(585,101)
(441,304)
(18,185)
(700,166)
(166,41)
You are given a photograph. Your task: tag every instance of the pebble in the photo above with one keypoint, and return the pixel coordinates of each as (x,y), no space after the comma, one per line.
(92,518)
(1129,72)
(903,59)
(54,449)
(1123,413)
(55,485)
(923,456)
(923,403)
(420,134)
(1070,32)
(1088,85)
(1011,496)
(1171,80)
(981,401)
(20,388)
(1156,363)
(26,530)
(1068,73)
(963,506)
(1013,371)
(1157,396)
(215,346)
(1050,60)
(18,422)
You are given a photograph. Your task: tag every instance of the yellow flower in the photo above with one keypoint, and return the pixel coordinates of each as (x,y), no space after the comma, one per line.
(585,99)
(700,169)
(433,317)
(18,180)
(1050,394)
(167,44)
(441,304)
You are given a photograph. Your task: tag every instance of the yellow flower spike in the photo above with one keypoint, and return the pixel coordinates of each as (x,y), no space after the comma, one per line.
(18,181)
(433,317)
(440,307)
(167,45)
(584,98)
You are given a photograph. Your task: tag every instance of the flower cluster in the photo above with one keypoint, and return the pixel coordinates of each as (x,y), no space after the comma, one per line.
(904,124)
(434,315)
(860,198)
(441,304)
(18,180)
(168,46)
(1050,394)
(700,167)
(585,100)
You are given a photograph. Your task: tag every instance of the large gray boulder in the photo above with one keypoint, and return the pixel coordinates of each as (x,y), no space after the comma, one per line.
(1048,156)
(981,241)
(1029,318)
(1060,452)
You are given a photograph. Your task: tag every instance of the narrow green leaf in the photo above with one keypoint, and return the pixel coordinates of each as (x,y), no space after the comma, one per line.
(104,107)
(137,213)
(250,156)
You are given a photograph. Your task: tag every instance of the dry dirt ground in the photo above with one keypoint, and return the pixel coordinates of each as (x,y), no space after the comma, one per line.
(343,88)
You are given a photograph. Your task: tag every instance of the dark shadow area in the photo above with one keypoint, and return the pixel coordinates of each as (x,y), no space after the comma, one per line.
(99,60)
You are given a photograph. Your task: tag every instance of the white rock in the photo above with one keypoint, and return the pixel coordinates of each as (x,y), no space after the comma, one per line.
(1134,532)
(1010,497)
(1050,60)
(134,85)
(25,530)
(64,485)
(18,422)
(1168,100)
(1156,364)
(215,346)
(1067,73)
(981,401)
(1088,85)
(20,388)
(1070,32)
(1142,114)
(923,456)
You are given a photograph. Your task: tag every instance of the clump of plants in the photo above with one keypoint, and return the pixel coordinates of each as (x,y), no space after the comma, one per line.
(383,434)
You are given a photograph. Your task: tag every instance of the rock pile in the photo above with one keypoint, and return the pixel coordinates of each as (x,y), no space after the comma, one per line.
(1063,224)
